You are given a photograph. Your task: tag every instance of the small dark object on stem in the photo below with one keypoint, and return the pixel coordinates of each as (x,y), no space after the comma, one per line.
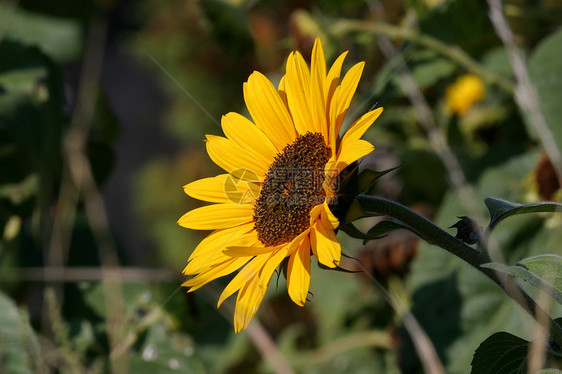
(467,230)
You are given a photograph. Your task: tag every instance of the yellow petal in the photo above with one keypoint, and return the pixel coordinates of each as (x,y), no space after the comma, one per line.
(272,263)
(297,85)
(248,136)
(358,128)
(332,84)
(252,294)
(315,213)
(325,245)
(352,151)
(222,269)
(283,92)
(224,188)
(236,251)
(328,217)
(317,81)
(243,277)
(235,160)
(298,273)
(268,110)
(348,86)
(335,118)
(210,250)
(247,303)
(333,78)
(292,247)
(217,216)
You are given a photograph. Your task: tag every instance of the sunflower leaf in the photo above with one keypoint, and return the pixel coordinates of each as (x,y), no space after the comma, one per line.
(501,352)
(545,69)
(355,212)
(368,177)
(543,272)
(354,232)
(501,209)
(338,268)
(18,343)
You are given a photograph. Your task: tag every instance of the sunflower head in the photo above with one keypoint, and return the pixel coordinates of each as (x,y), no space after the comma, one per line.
(273,204)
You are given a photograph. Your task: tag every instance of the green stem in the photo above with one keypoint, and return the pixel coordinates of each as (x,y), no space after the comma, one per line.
(431,233)
(453,52)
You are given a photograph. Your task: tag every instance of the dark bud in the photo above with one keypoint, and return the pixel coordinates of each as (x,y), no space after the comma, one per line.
(467,230)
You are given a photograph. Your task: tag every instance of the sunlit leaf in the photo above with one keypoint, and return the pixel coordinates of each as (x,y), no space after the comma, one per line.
(501,209)
(135,296)
(430,72)
(545,68)
(543,272)
(19,348)
(59,38)
(165,351)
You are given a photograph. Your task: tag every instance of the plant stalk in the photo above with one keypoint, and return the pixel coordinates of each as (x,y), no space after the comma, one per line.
(434,235)
(454,53)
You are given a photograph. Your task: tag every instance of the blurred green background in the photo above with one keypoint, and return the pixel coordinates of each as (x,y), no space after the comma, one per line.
(103,110)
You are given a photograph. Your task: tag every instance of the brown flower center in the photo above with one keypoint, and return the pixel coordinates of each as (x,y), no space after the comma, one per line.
(293,185)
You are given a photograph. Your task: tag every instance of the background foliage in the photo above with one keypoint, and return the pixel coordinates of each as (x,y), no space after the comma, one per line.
(103,109)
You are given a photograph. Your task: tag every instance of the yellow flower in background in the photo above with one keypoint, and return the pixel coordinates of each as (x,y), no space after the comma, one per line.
(282,172)
(464,93)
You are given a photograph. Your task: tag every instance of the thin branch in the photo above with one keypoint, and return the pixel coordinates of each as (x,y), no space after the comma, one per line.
(525,93)
(424,113)
(364,339)
(452,52)
(89,274)
(423,345)
(81,176)
(257,334)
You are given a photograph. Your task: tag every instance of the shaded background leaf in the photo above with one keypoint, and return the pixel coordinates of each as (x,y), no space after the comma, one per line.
(501,353)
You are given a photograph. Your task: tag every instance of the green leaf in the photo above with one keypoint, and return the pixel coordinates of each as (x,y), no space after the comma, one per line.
(135,296)
(484,307)
(19,348)
(165,352)
(18,192)
(31,110)
(550,371)
(59,38)
(501,353)
(355,212)
(430,72)
(545,68)
(461,23)
(427,183)
(543,272)
(501,209)
(354,232)
(368,177)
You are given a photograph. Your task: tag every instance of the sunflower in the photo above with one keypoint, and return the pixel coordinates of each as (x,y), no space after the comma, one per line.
(461,96)
(273,202)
